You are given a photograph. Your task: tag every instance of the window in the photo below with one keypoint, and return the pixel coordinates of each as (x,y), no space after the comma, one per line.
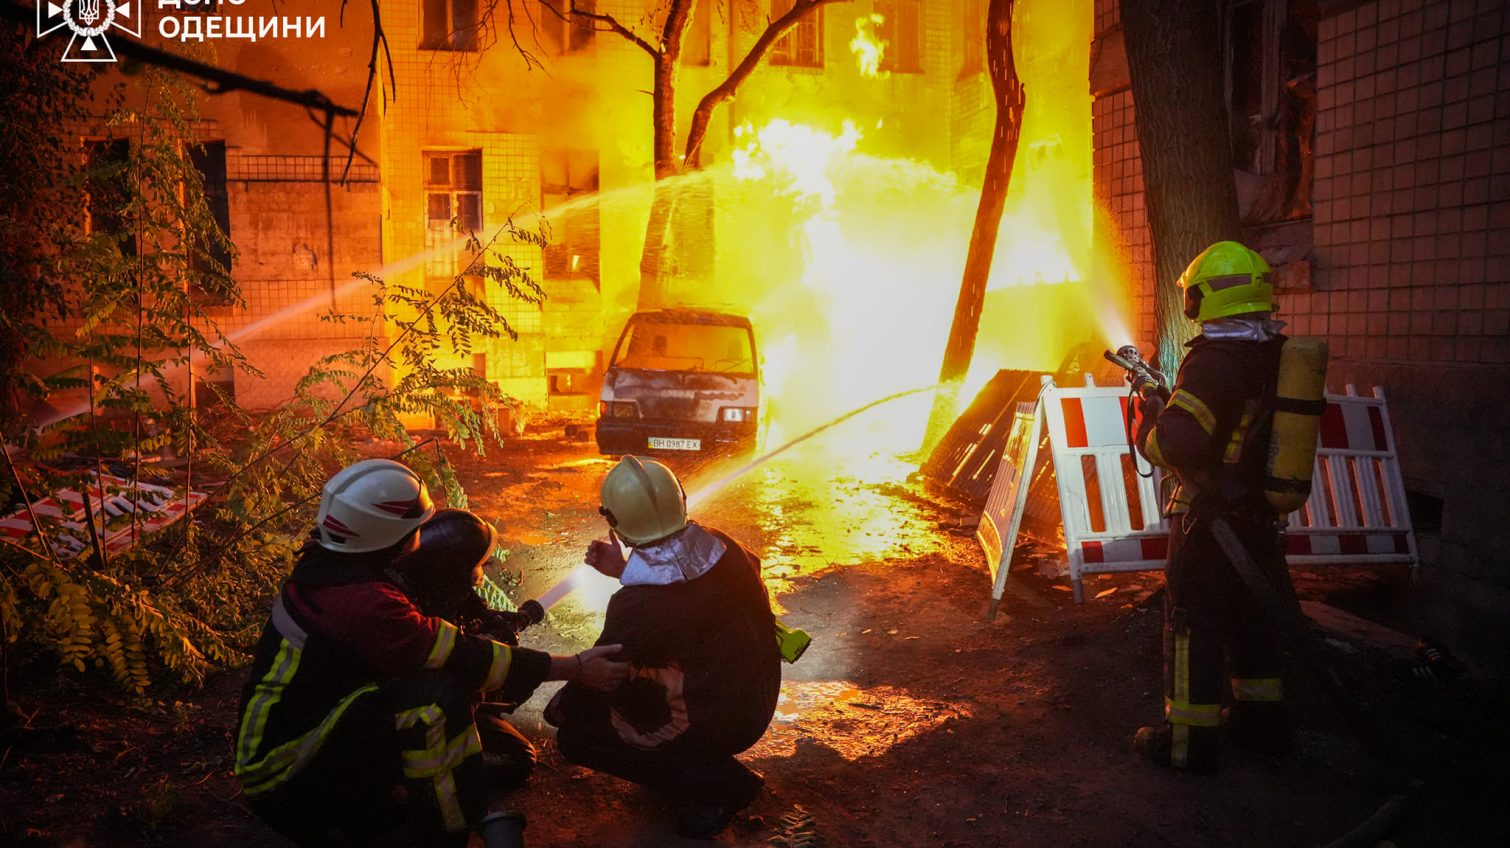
(561,32)
(974,47)
(567,176)
(697,45)
(1271,101)
(213,258)
(663,346)
(109,190)
(802,46)
(453,192)
(449,25)
(901,28)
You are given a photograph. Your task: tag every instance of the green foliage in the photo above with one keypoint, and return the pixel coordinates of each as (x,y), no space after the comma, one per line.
(133,299)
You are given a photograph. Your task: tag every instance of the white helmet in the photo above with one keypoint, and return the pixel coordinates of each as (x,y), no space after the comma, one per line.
(371,505)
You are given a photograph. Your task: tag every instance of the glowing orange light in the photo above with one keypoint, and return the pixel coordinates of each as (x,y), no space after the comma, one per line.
(869,49)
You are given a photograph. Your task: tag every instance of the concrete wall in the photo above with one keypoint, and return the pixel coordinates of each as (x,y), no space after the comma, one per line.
(1409,279)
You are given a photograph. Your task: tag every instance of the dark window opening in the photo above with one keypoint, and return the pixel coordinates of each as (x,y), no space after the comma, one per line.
(453,206)
(802,46)
(450,25)
(211,258)
(901,27)
(109,190)
(1271,98)
(697,44)
(974,47)
(562,32)
(570,381)
(567,180)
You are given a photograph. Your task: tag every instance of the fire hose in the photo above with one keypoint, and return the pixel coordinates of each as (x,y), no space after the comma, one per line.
(1147,382)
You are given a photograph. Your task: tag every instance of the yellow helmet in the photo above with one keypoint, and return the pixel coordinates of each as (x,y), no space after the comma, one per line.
(1226,279)
(643,501)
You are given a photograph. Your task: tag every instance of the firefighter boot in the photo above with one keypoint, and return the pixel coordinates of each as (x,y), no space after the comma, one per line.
(1179,746)
(708,818)
(1262,727)
(502,830)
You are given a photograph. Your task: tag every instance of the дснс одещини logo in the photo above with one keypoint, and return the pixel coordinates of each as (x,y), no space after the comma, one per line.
(90,22)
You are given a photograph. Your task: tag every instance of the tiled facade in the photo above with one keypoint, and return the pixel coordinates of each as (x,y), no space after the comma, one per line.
(296,257)
(1409,275)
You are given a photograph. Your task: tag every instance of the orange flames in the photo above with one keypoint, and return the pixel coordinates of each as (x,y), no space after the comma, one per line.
(869,49)
(850,263)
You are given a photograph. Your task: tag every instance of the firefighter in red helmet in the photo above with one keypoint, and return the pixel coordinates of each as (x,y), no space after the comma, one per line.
(357,718)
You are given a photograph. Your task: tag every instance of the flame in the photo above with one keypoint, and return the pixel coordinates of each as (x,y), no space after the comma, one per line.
(869,49)
(849,261)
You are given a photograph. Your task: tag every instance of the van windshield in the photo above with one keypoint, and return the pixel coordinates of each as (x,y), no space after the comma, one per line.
(714,348)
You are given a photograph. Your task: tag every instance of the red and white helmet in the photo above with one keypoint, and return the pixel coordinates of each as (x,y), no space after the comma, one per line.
(371,505)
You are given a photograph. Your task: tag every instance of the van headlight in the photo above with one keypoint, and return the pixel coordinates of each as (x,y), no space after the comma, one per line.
(737,414)
(618,409)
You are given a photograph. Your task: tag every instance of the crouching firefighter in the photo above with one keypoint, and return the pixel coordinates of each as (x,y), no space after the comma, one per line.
(1216,432)
(442,577)
(695,622)
(356,723)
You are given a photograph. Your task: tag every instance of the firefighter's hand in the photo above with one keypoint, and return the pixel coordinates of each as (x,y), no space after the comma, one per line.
(596,671)
(605,558)
(1149,410)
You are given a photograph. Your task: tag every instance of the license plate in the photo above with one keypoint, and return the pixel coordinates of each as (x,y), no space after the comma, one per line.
(659,443)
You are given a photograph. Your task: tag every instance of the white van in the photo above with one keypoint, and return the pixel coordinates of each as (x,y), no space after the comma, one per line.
(681,381)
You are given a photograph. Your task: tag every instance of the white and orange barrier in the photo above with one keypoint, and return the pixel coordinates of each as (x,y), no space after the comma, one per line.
(1357,511)
(1112,516)
(1002,517)
(112,501)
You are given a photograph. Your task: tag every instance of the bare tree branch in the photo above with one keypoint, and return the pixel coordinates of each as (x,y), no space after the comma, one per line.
(379,40)
(726,89)
(608,20)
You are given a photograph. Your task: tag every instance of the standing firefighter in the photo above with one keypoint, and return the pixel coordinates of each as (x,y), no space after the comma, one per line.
(357,720)
(1214,434)
(695,623)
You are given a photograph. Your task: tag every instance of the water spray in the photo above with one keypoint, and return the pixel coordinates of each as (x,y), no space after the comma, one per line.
(707,491)
(796,640)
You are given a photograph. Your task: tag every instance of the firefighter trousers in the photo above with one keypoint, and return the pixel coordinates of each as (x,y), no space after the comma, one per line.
(404,762)
(688,770)
(1209,616)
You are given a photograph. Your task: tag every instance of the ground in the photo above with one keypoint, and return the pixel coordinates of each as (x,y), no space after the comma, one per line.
(912,720)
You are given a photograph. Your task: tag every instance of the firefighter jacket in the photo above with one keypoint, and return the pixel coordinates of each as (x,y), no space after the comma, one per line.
(1214,430)
(339,630)
(706,667)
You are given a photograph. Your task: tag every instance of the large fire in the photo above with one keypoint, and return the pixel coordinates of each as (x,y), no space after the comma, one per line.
(849,263)
(869,49)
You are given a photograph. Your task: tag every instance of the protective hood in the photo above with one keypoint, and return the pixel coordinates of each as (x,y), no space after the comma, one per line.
(1242,328)
(685,556)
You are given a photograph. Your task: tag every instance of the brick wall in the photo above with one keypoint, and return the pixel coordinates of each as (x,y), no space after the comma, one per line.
(1410,280)
(1120,221)
(1412,200)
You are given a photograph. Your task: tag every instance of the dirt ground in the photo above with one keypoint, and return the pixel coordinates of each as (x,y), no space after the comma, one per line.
(912,719)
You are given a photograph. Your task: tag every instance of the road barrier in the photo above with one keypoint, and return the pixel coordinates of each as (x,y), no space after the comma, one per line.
(1111,512)
(66,520)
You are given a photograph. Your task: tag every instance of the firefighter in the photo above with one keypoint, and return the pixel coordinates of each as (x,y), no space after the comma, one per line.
(1213,433)
(442,576)
(357,719)
(695,623)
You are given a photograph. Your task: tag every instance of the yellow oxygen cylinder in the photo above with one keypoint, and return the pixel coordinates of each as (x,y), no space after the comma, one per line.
(1298,404)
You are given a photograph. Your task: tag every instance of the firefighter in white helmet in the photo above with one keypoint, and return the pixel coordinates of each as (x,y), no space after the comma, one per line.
(354,691)
(695,623)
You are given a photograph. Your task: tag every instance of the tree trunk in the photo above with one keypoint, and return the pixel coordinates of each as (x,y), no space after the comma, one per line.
(993,195)
(663,153)
(1174,57)
(960,347)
